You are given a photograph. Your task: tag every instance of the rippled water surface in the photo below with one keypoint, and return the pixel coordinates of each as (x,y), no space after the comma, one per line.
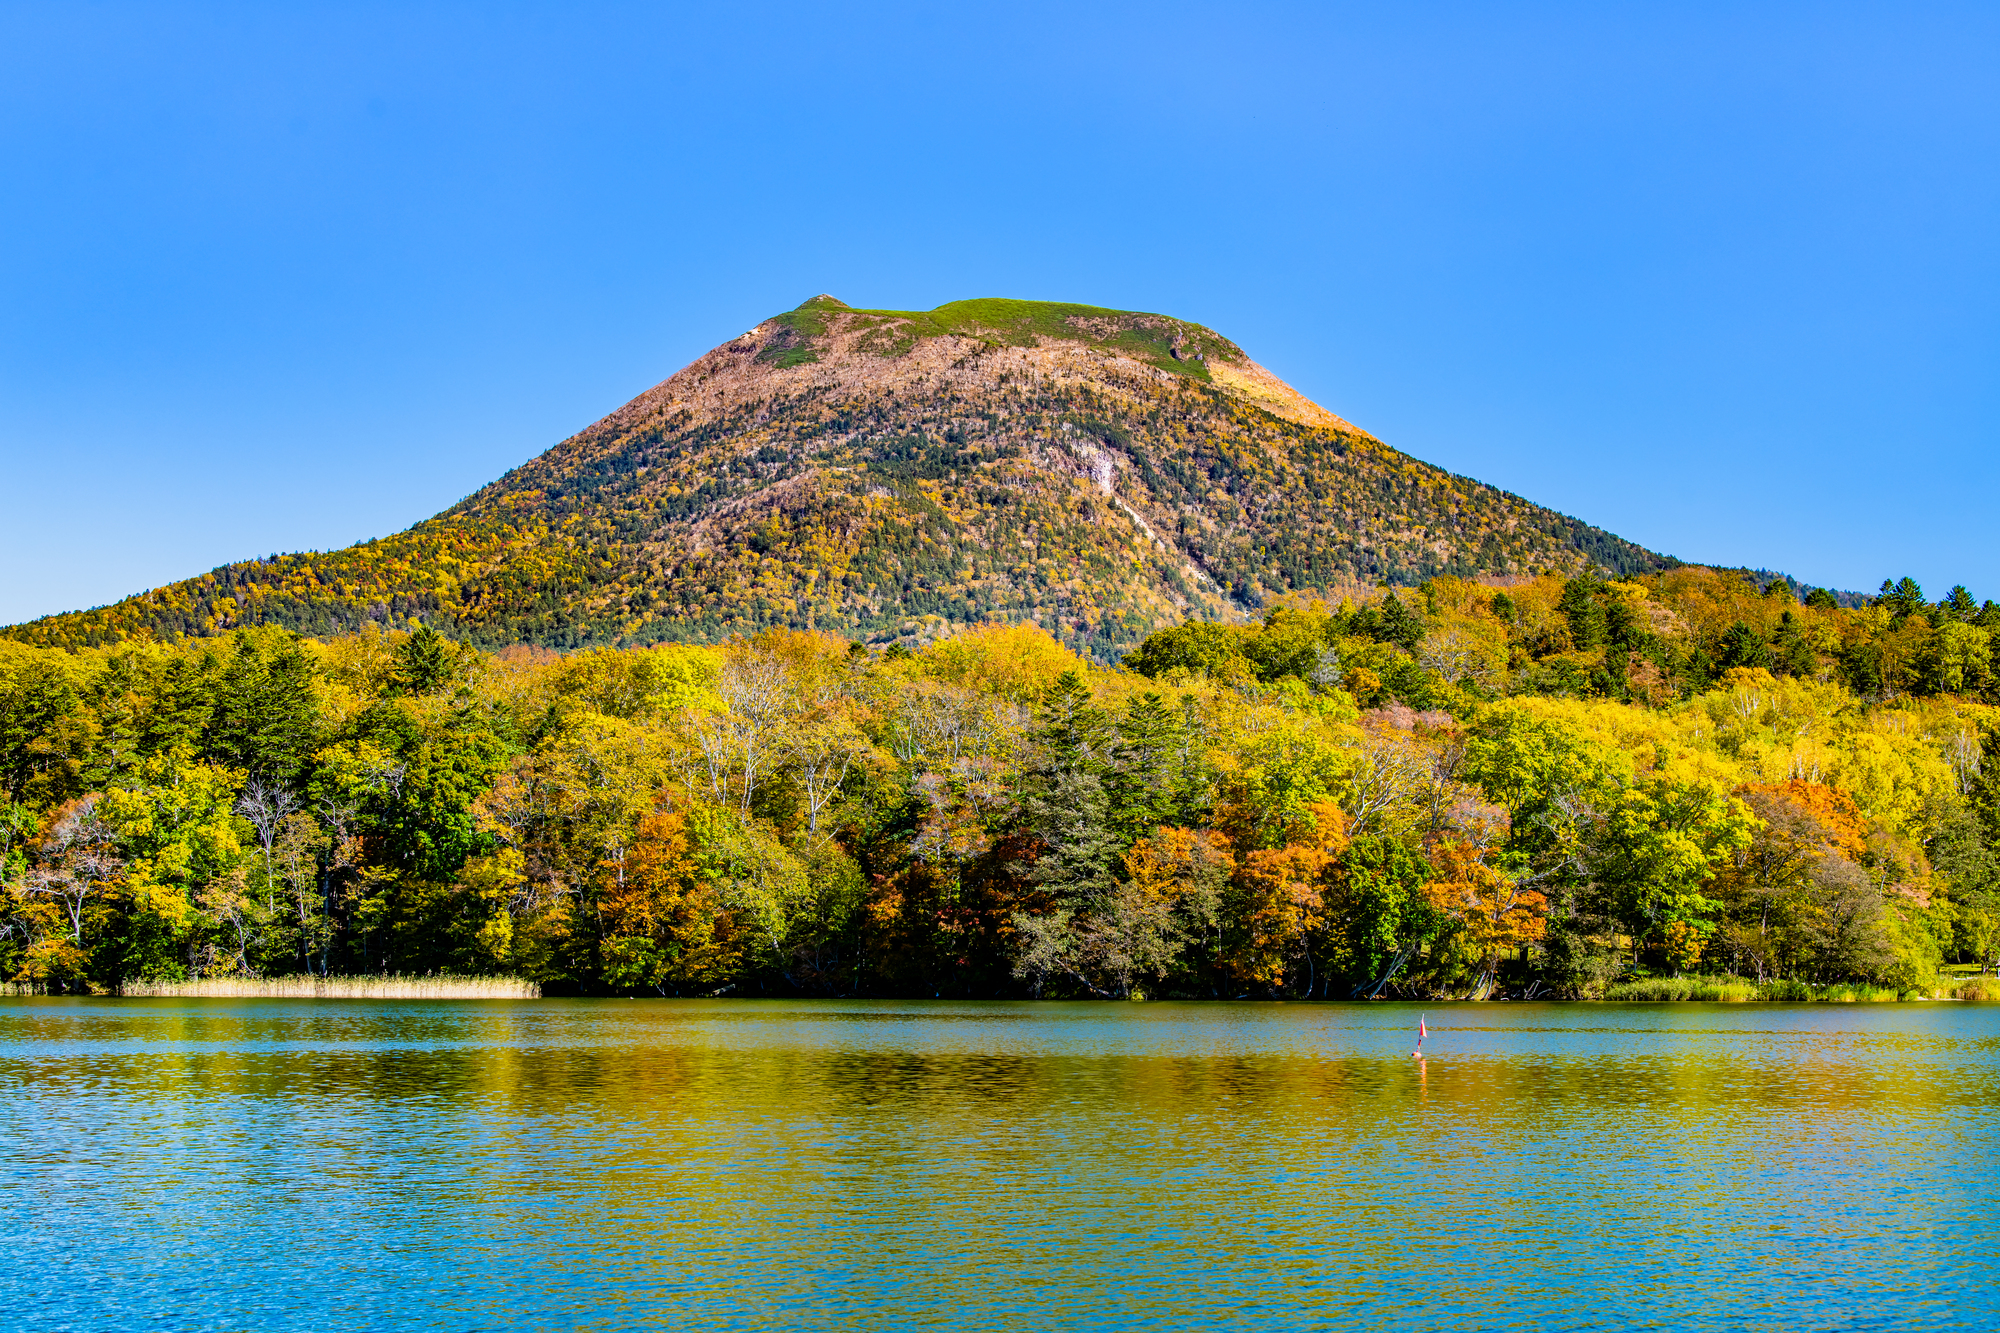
(717,1164)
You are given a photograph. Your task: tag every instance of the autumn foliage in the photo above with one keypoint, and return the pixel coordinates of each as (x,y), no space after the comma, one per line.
(1458,789)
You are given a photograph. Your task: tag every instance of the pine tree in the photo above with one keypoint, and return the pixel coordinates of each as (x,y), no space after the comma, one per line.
(266,717)
(183,703)
(116,699)
(1903,598)
(1193,774)
(1073,732)
(36,710)
(1579,606)
(426,661)
(1141,783)
(1070,816)
(1621,624)
(1742,646)
(1067,808)
(1400,625)
(1792,654)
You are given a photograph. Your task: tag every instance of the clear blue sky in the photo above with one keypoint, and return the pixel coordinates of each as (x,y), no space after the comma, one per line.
(1724,279)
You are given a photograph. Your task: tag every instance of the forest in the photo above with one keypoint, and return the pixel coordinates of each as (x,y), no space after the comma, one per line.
(1523,787)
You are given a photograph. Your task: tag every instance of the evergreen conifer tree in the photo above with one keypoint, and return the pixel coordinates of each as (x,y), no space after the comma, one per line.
(1067,807)
(1141,783)
(1621,624)
(266,716)
(1742,646)
(1903,598)
(1400,625)
(1790,651)
(34,708)
(1579,607)
(426,661)
(1073,732)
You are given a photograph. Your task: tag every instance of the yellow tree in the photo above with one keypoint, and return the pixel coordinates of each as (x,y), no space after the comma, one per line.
(178,825)
(1278,898)
(666,925)
(1170,898)
(1496,915)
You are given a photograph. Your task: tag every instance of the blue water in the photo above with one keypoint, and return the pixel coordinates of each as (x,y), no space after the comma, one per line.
(719,1165)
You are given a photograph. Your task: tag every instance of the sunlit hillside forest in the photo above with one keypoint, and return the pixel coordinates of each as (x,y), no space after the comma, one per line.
(1551,787)
(884,474)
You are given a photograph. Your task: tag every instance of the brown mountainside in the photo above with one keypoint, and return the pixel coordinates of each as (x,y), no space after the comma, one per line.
(889,474)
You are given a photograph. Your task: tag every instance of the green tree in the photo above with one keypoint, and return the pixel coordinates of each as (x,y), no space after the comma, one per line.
(1957,659)
(1579,607)
(1551,782)
(427,662)
(1902,599)
(1289,644)
(43,735)
(176,825)
(1200,647)
(1384,918)
(1742,646)
(1653,847)
(1069,819)
(1140,784)
(1964,860)
(1400,625)
(1959,606)
(1072,732)
(182,703)
(266,715)
(1861,665)
(1791,653)
(418,789)
(115,698)
(1622,629)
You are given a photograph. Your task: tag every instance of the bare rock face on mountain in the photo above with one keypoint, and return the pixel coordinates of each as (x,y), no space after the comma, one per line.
(885,474)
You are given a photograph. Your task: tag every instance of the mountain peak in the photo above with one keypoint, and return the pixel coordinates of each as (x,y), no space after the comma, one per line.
(1170,344)
(891,474)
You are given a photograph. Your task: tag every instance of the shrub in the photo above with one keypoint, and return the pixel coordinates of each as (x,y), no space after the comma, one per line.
(1979,988)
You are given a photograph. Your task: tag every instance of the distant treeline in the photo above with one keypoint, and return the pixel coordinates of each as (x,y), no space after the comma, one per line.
(1547,787)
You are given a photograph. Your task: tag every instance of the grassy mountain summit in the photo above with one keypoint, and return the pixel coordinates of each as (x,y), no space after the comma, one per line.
(1169,344)
(885,474)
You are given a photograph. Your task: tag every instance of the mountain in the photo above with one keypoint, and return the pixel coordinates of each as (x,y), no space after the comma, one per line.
(893,473)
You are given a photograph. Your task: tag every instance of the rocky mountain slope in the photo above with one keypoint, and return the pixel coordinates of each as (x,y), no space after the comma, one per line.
(887,474)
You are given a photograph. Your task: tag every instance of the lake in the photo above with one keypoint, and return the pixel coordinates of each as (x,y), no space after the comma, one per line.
(831,1165)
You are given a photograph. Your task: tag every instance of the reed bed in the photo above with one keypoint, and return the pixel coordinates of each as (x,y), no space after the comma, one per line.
(1684,988)
(1739,989)
(1979,988)
(1856,994)
(338,988)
